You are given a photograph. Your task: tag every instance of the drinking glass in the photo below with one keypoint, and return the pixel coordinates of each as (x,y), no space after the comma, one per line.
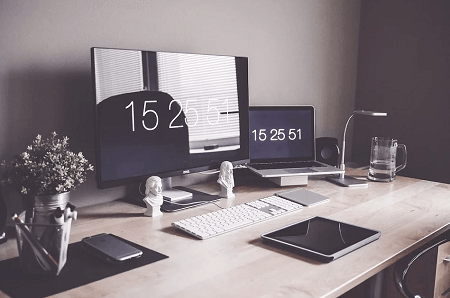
(383,159)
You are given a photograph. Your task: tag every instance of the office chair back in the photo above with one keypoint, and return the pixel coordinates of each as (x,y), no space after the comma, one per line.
(402,267)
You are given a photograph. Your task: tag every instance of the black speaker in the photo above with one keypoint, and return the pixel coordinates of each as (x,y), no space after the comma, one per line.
(327,151)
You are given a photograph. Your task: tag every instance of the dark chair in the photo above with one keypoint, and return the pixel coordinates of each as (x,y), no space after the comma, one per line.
(402,266)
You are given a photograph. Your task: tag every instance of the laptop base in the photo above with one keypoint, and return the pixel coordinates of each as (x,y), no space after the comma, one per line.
(290,180)
(347,181)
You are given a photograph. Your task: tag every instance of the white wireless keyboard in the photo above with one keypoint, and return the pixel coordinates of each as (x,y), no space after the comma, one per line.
(225,220)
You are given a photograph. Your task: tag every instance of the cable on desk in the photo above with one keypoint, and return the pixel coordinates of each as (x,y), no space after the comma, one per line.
(192,203)
(211,172)
(140,184)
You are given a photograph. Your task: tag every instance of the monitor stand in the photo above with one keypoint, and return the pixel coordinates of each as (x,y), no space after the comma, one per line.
(182,197)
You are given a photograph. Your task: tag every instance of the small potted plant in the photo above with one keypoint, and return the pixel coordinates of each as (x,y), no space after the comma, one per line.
(46,172)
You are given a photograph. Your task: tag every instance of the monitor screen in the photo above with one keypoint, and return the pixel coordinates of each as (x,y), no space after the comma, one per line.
(167,114)
(282,133)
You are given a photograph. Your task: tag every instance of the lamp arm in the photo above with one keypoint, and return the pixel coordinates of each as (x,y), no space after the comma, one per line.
(342,166)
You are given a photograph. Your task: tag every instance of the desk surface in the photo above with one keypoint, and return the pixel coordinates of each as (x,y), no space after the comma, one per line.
(408,212)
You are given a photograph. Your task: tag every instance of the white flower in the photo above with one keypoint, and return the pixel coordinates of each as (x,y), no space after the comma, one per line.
(48,166)
(24,190)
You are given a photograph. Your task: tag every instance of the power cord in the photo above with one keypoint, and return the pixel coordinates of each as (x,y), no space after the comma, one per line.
(192,203)
(211,172)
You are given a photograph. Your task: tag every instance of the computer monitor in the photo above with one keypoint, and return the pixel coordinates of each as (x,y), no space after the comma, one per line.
(167,114)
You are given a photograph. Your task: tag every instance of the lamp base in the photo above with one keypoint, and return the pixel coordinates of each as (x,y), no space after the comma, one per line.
(347,181)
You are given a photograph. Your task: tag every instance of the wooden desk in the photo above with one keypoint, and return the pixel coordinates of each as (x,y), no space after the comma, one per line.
(408,212)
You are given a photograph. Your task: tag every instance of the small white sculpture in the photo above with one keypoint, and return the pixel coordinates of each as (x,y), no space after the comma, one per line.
(226,180)
(153,196)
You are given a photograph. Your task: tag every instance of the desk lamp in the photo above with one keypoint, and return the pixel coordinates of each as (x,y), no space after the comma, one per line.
(342,179)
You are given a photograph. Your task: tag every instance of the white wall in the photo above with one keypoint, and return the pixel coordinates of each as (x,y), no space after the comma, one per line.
(300,52)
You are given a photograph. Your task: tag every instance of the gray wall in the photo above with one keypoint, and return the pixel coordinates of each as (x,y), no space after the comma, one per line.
(403,69)
(300,52)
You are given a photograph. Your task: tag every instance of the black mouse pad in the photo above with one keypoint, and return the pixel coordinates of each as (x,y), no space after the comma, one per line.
(80,269)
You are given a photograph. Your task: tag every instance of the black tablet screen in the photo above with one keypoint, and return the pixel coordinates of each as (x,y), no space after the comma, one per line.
(322,235)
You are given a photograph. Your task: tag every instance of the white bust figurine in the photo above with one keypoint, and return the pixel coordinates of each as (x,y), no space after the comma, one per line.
(226,180)
(153,196)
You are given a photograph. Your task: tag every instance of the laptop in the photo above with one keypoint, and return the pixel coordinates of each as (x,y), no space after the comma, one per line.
(283,143)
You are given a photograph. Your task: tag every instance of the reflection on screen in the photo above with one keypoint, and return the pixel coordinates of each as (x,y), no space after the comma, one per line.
(206,87)
(159,112)
(322,235)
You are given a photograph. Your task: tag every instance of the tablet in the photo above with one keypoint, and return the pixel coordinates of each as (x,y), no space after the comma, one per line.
(321,238)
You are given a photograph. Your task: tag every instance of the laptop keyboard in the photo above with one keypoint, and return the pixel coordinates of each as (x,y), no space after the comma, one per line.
(285,165)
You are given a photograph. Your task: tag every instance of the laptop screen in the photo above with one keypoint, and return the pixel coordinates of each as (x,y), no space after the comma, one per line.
(282,133)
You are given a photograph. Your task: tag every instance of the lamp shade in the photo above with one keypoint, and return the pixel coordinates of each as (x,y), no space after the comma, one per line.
(370,113)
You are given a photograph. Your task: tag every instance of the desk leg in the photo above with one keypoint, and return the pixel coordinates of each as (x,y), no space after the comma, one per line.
(375,288)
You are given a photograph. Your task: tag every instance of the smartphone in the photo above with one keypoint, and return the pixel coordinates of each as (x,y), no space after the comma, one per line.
(110,248)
